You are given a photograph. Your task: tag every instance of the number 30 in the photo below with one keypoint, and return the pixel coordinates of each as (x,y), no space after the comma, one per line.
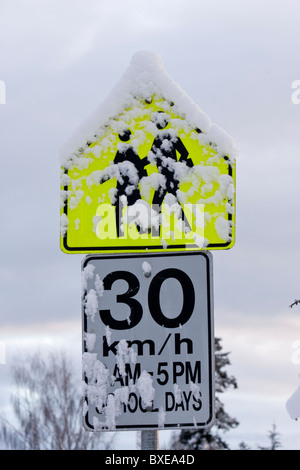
(136,309)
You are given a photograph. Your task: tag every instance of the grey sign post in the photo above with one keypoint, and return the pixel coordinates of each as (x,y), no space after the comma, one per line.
(148,342)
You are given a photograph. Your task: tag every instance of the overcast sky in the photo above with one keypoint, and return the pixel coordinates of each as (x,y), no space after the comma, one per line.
(237,60)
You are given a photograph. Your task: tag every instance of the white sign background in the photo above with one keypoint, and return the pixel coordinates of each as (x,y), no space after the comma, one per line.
(166,318)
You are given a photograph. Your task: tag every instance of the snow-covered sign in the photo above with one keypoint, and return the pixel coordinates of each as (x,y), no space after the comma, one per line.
(148,355)
(148,170)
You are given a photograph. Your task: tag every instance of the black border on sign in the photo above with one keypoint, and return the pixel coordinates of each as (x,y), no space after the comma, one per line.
(210,421)
(99,249)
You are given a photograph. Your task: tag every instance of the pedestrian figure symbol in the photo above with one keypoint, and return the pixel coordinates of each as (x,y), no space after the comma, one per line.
(164,151)
(130,169)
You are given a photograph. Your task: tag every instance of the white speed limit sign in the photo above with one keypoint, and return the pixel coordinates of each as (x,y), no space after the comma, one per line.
(148,358)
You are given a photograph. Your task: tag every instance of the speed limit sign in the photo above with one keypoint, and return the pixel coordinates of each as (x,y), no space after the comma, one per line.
(148,359)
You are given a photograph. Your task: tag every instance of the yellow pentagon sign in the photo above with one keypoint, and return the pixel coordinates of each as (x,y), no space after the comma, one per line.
(148,171)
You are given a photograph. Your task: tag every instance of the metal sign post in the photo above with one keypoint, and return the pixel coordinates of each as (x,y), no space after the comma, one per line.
(149,440)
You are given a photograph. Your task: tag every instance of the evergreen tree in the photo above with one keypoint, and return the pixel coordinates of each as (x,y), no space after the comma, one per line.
(211,438)
(274,439)
(244,446)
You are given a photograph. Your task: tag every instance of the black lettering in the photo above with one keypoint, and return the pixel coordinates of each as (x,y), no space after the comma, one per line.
(140,346)
(188,298)
(107,348)
(136,310)
(179,341)
(187,398)
(143,410)
(154,409)
(132,403)
(190,375)
(170,401)
(138,343)
(117,376)
(198,405)
(129,375)
(162,372)
(179,405)
(135,375)
(178,370)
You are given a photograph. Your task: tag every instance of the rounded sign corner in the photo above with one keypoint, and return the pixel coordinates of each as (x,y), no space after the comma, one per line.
(63,247)
(86,424)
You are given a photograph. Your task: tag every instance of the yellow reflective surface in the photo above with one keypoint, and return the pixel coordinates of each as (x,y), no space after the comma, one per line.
(205,182)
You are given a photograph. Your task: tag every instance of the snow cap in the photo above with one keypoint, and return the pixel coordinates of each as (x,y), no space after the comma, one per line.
(146,60)
(144,77)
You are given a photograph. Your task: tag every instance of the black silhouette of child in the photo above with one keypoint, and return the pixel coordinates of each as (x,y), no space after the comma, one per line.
(164,149)
(127,184)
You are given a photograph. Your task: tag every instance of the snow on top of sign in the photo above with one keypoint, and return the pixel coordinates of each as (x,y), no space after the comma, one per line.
(145,77)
